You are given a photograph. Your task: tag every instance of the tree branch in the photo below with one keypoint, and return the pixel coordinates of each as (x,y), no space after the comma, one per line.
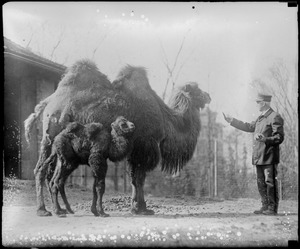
(57,44)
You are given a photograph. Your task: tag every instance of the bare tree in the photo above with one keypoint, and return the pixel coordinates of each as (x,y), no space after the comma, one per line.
(172,69)
(59,40)
(44,31)
(33,32)
(102,39)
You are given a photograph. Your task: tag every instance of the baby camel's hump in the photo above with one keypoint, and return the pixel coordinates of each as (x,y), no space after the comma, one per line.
(77,141)
(70,143)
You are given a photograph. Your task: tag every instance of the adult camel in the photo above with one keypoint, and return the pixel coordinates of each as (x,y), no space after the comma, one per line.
(166,133)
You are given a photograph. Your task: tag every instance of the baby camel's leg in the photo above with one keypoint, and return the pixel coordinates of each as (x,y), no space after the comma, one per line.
(51,163)
(54,188)
(98,165)
(68,163)
(61,184)
(61,173)
(40,175)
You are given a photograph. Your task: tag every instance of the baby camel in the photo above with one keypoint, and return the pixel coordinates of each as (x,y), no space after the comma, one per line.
(86,144)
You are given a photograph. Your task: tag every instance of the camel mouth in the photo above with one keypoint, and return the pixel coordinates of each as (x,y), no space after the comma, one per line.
(207,98)
(130,128)
(203,99)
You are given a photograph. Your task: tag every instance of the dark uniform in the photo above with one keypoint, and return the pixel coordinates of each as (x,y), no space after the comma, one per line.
(266,155)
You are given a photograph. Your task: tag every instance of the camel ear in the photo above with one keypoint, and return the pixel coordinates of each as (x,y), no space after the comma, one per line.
(188,88)
(115,127)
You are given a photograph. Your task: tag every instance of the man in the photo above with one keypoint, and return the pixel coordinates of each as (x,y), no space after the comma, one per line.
(268,135)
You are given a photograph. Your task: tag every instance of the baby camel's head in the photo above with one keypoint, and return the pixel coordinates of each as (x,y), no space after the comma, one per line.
(122,127)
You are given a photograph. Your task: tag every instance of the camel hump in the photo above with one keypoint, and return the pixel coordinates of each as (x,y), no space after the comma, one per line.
(133,78)
(83,65)
(84,74)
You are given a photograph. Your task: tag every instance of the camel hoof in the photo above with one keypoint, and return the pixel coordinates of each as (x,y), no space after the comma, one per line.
(95,212)
(61,212)
(61,215)
(70,211)
(43,213)
(103,214)
(147,212)
(142,212)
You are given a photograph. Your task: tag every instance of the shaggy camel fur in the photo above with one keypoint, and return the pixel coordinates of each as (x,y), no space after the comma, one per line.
(85,144)
(166,133)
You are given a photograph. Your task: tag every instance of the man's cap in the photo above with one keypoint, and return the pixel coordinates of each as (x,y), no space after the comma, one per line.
(263,97)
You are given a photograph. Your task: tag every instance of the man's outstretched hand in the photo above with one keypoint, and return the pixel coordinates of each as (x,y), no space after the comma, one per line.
(227,117)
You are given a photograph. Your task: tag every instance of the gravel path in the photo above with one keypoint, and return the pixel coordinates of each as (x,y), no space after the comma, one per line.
(177,222)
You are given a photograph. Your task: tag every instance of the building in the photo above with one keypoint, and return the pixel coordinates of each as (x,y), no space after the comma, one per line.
(28,78)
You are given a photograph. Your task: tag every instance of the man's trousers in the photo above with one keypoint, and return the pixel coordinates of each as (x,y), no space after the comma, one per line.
(268,186)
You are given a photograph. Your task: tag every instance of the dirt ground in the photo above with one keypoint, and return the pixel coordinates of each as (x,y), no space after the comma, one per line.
(193,222)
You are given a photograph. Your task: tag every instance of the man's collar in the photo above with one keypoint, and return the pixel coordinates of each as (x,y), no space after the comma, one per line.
(264,112)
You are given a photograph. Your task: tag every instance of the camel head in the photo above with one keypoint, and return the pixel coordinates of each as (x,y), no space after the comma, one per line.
(189,95)
(131,77)
(198,97)
(122,127)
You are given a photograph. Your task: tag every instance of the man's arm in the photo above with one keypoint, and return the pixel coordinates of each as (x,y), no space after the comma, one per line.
(244,126)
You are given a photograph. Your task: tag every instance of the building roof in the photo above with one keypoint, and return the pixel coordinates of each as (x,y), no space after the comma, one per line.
(14,50)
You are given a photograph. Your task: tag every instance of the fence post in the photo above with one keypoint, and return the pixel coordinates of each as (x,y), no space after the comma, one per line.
(215,169)
(125,176)
(116,179)
(280,189)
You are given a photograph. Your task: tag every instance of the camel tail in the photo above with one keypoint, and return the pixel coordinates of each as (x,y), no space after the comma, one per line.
(30,121)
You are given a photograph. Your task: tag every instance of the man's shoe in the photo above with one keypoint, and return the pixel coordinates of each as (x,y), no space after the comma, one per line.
(269,212)
(261,210)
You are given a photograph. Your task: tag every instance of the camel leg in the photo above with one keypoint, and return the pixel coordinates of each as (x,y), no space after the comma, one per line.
(40,173)
(53,185)
(64,197)
(98,191)
(94,202)
(143,158)
(99,168)
(138,204)
(61,187)
(52,168)
(56,207)
(51,173)
(62,171)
